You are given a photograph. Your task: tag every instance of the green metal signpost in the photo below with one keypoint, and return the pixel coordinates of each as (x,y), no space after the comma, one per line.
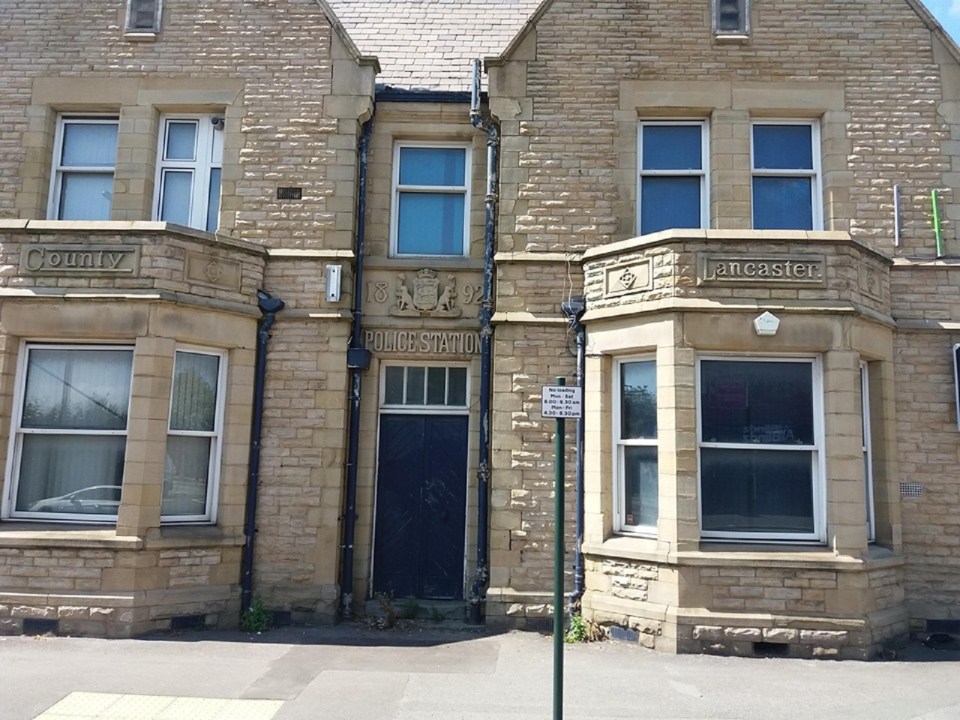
(559,402)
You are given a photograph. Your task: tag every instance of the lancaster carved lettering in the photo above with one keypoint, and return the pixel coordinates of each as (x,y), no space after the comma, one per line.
(806,270)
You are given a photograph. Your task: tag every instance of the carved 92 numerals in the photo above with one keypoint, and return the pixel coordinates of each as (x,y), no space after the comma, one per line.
(471,294)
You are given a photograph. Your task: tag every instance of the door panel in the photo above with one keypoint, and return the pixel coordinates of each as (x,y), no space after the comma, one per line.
(421,500)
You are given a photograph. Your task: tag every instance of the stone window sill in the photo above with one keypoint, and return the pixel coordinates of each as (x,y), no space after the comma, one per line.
(737,555)
(140,36)
(86,537)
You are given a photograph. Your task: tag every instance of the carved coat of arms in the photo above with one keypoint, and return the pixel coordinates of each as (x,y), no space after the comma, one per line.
(428,296)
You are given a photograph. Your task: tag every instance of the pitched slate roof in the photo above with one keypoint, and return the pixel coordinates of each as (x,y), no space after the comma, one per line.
(428,44)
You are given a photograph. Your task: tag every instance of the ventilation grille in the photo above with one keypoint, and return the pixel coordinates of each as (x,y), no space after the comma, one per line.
(911,489)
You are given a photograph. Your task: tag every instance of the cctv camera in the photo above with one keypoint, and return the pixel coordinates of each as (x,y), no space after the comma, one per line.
(217,123)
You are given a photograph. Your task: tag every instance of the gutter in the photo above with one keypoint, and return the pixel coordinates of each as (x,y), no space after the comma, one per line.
(478,592)
(574,308)
(358,361)
(269,307)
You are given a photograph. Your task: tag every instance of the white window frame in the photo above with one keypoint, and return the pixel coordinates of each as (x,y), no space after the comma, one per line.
(208,156)
(815,174)
(445,409)
(743,27)
(216,437)
(397,189)
(817,464)
(15,447)
(619,451)
(59,169)
(132,13)
(703,173)
(865,412)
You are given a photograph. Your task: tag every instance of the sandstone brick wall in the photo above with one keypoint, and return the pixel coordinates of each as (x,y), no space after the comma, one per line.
(274,68)
(301,471)
(572,185)
(927,428)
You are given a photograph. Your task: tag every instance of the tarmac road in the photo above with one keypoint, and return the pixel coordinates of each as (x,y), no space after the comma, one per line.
(349,673)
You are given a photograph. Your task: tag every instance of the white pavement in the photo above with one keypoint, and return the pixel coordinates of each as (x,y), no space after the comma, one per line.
(348,673)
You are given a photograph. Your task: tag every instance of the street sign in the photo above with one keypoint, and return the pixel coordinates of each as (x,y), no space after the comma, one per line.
(560,401)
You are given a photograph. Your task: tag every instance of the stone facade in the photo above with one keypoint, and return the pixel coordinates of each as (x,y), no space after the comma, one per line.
(373,464)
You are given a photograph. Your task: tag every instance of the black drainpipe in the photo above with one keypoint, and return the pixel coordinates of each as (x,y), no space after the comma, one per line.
(358,360)
(478,593)
(574,309)
(269,307)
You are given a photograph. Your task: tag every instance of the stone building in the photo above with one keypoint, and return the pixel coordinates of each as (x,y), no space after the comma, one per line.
(281,291)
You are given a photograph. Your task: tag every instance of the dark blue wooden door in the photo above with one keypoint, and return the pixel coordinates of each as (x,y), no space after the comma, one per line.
(421,503)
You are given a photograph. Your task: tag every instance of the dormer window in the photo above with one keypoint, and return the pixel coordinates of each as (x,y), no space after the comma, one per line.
(143,16)
(731,17)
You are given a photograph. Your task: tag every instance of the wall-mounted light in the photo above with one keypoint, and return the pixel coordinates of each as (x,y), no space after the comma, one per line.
(334,274)
(766,324)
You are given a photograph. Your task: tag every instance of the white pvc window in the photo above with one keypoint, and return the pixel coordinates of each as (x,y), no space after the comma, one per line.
(786,180)
(673,169)
(635,431)
(760,438)
(70,431)
(84,159)
(424,386)
(867,450)
(194,437)
(431,199)
(731,17)
(143,16)
(188,171)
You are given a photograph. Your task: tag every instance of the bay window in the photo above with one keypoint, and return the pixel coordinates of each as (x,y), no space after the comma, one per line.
(431,200)
(85,153)
(673,159)
(70,426)
(194,437)
(636,446)
(188,171)
(760,445)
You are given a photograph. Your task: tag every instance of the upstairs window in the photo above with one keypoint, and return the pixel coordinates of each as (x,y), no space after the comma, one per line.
(786,176)
(636,438)
(188,171)
(673,175)
(731,17)
(431,200)
(143,16)
(85,153)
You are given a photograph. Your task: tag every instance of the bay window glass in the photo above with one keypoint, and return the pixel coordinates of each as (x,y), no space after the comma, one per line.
(673,176)
(636,440)
(759,449)
(431,200)
(85,155)
(71,426)
(189,170)
(786,176)
(193,439)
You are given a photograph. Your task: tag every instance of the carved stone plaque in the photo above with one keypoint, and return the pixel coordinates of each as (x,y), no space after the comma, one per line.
(629,278)
(214,271)
(80,260)
(426,294)
(808,270)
